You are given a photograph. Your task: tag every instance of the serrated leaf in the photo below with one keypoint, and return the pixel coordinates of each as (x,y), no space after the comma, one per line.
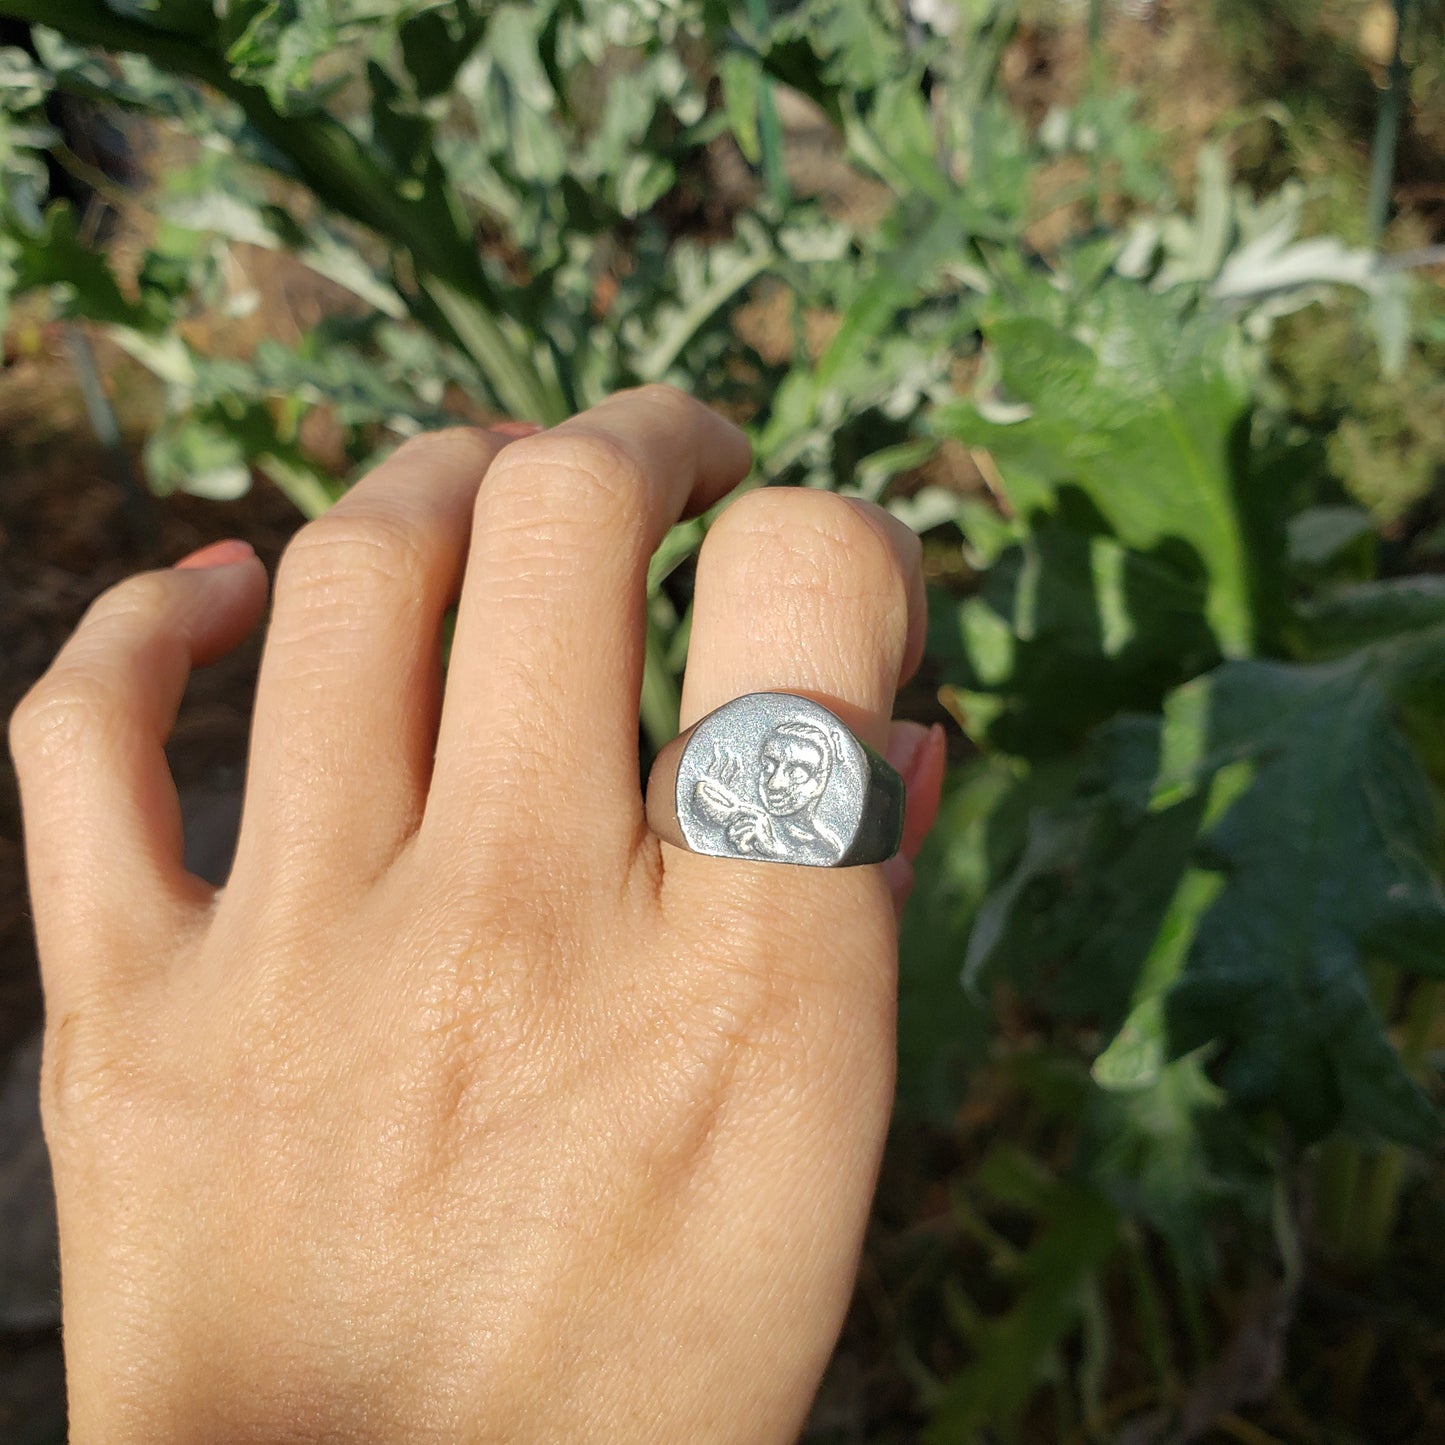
(1080,1232)
(58,258)
(1138,406)
(1170,1152)
(1330,859)
(1070,627)
(1081,891)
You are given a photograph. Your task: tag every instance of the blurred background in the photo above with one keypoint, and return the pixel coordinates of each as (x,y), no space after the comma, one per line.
(1133,309)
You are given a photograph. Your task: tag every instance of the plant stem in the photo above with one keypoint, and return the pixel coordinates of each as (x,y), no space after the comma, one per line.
(661,700)
(1387,132)
(302,486)
(1096,89)
(136,500)
(1152,1327)
(1191,1309)
(1337,1174)
(1378,1205)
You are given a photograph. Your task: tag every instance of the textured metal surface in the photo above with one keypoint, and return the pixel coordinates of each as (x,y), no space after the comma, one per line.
(778,779)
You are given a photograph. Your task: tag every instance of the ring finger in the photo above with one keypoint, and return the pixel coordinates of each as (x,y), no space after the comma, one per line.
(802,591)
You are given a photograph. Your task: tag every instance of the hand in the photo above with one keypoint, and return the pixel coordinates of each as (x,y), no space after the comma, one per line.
(751,831)
(466,1110)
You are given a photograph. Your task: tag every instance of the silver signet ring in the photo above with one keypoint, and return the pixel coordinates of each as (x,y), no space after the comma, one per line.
(779,779)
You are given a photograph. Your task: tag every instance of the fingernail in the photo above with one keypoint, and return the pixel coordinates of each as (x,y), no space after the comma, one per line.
(218,554)
(906,743)
(517,429)
(925,790)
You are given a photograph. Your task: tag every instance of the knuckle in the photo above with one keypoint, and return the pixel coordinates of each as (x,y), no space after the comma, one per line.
(803,542)
(468,445)
(590,475)
(81,1076)
(57,715)
(82,689)
(350,548)
(661,395)
(146,597)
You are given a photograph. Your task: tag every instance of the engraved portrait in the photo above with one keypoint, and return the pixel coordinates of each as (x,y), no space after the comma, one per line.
(770,809)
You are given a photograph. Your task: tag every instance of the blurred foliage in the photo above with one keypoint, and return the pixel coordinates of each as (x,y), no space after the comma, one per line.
(1181,911)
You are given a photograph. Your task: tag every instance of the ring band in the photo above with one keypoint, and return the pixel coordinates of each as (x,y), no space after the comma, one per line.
(776,778)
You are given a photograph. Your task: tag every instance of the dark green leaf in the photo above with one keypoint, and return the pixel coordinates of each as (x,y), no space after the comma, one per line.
(436,44)
(940,1026)
(1070,627)
(1013,1353)
(58,258)
(1330,861)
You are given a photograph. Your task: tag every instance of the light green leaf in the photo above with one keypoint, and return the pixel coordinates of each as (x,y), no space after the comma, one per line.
(197,456)
(742,80)
(642,182)
(1138,405)
(23,84)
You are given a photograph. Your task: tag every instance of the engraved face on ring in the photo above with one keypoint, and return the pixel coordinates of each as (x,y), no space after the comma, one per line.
(795,761)
(793,767)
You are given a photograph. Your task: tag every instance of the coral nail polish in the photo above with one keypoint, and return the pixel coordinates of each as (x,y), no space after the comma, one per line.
(217,554)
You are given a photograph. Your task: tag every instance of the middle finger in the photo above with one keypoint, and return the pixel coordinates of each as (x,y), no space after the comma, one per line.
(538,734)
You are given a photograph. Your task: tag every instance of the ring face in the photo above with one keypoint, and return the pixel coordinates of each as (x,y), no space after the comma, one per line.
(779,778)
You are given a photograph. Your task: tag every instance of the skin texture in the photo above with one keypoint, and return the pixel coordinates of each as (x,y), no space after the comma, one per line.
(467,1110)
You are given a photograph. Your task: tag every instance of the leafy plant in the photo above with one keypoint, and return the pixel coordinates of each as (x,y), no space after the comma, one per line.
(1185,901)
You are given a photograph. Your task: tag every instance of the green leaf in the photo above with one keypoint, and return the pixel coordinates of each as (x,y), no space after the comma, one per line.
(1318,535)
(1140,405)
(436,44)
(702,283)
(84,278)
(742,81)
(1330,858)
(1081,1231)
(281,45)
(9,253)
(1349,617)
(1171,1152)
(1070,627)
(196,455)
(941,1027)
(23,84)
(642,182)
(1084,874)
